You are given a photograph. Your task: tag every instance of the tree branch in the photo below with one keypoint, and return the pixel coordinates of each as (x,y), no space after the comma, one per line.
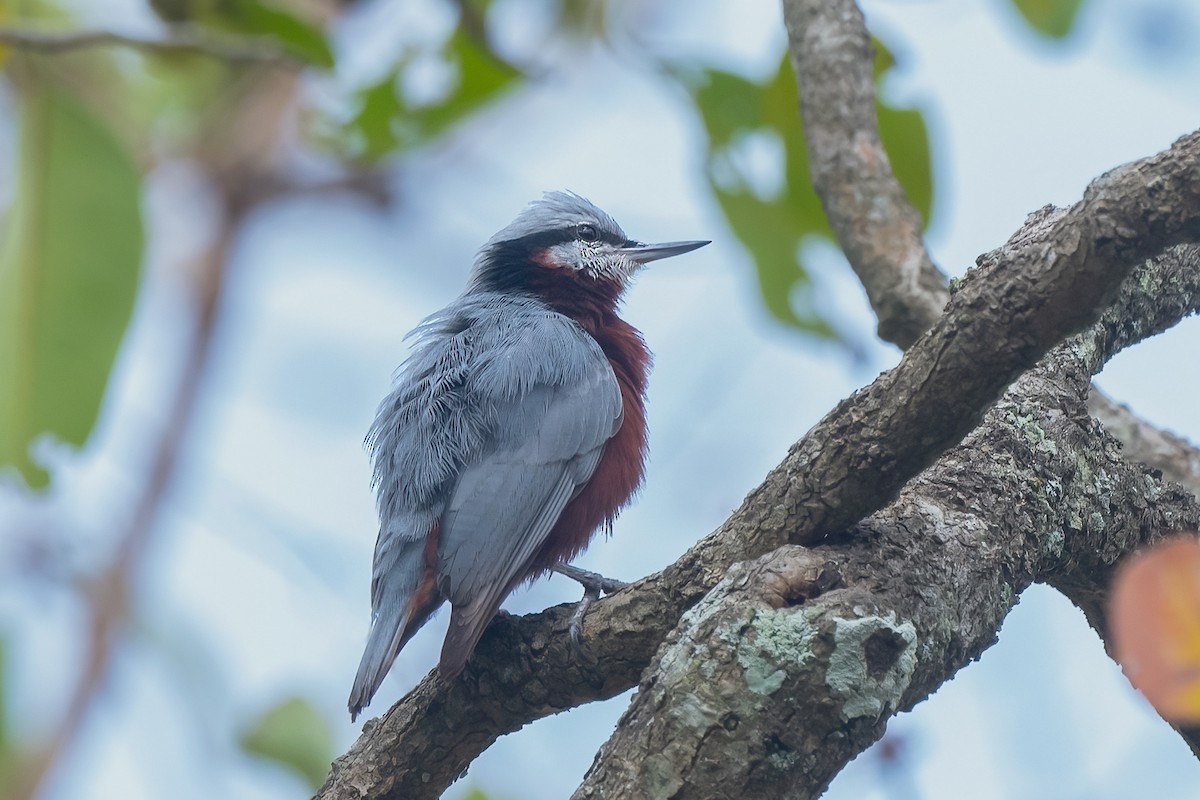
(182,41)
(831,54)
(793,664)
(875,224)
(878,229)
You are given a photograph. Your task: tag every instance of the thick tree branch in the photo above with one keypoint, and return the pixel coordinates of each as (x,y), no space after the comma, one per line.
(1166,296)
(793,664)
(1038,492)
(1053,277)
(877,227)
(182,41)
(831,54)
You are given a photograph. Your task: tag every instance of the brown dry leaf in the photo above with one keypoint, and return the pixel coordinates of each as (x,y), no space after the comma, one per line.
(1154,615)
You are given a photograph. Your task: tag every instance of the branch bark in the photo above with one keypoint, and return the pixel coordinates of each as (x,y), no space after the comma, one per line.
(793,664)
(1052,279)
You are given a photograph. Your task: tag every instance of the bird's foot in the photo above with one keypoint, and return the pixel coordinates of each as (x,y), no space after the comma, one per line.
(593,584)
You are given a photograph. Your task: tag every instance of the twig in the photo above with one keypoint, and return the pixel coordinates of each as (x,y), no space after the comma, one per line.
(878,229)
(182,41)
(1176,457)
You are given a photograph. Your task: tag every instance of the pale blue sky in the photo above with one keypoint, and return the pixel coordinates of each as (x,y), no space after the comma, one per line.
(258,586)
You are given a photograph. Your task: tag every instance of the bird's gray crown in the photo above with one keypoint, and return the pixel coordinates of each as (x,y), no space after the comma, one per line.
(557,211)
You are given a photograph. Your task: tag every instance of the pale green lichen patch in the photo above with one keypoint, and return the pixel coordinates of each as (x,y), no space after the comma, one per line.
(781,639)
(1033,432)
(865,681)
(681,656)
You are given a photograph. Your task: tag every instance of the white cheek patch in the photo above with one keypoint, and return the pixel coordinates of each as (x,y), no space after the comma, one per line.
(591,260)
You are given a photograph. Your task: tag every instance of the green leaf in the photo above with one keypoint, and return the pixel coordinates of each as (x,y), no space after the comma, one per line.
(906,140)
(387,122)
(770,228)
(729,104)
(481,77)
(1053,18)
(293,734)
(373,124)
(300,38)
(773,228)
(69,265)
(770,232)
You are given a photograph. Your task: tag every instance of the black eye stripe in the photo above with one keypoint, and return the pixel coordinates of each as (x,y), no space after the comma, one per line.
(550,238)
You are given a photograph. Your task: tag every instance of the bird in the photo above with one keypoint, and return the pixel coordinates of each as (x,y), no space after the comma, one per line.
(514,430)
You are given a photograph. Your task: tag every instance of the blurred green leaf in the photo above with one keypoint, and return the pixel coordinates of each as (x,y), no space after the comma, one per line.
(69,265)
(1053,18)
(476,794)
(295,735)
(387,122)
(299,37)
(773,227)
(906,140)
(380,106)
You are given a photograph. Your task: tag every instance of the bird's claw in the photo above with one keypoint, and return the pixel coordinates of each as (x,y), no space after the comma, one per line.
(590,595)
(590,580)
(593,584)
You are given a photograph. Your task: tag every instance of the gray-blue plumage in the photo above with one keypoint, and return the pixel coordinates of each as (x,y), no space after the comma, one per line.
(498,418)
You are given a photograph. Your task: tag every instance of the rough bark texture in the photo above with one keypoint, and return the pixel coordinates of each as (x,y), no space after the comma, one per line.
(910,568)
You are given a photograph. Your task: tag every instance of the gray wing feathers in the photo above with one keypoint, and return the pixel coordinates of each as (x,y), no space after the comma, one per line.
(496,420)
(504,507)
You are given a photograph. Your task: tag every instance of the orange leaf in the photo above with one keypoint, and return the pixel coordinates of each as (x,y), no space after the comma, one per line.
(1154,616)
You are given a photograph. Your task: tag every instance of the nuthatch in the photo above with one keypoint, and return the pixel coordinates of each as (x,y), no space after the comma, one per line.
(515,430)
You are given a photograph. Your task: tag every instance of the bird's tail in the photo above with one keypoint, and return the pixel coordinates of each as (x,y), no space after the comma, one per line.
(404,595)
(390,631)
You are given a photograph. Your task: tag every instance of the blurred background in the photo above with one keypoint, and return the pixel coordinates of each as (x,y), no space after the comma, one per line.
(212,251)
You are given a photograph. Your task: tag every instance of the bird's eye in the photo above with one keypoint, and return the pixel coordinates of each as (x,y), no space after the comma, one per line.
(587,233)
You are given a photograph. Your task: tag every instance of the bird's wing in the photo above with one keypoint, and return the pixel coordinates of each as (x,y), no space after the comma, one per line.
(548,443)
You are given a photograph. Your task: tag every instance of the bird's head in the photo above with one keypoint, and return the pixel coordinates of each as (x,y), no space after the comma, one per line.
(562,247)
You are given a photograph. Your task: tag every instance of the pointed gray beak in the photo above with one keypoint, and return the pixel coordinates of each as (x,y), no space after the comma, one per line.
(644,253)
